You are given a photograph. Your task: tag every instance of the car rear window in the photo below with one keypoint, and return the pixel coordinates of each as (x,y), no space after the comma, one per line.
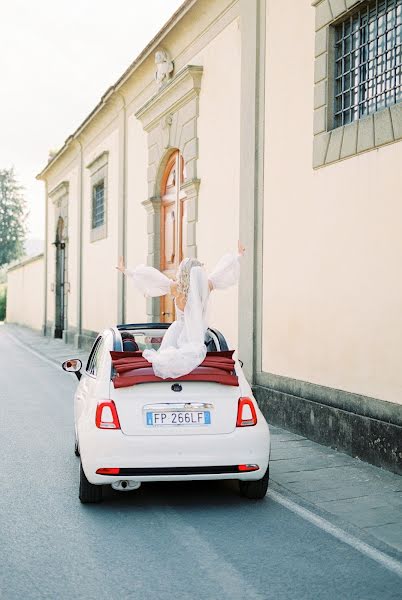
(141,340)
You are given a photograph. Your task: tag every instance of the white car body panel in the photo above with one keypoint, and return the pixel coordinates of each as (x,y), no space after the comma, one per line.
(138,446)
(134,402)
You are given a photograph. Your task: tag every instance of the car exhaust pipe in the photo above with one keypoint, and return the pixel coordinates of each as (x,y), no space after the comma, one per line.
(126,485)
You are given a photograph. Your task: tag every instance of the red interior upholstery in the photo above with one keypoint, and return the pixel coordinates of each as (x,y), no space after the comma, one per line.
(131,368)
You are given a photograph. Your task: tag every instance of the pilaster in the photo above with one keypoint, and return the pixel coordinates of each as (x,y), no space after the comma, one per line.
(252,13)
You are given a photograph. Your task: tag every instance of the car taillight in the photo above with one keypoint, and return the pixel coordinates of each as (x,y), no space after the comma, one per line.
(245,468)
(246,415)
(108,471)
(106,415)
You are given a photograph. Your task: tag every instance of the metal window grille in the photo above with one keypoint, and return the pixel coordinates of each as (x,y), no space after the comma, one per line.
(368,61)
(98,204)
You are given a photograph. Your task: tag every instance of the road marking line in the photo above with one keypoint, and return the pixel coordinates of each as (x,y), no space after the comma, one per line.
(385,560)
(48,360)
(228,580)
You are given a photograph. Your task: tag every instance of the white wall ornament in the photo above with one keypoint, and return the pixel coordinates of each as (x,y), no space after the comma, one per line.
(170,119)
(51,154)
(57,194)
(166,128)
(164,68)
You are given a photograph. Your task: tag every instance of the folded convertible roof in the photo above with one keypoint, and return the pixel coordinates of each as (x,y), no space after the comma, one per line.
(131,368)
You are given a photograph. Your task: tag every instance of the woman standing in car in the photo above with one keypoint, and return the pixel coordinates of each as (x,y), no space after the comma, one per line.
(182,348)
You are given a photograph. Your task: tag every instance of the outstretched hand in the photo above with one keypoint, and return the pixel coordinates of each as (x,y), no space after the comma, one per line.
(121,267)
(240,248)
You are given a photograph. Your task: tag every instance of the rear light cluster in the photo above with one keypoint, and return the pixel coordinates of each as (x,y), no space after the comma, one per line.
(245,468)
(246,415)
(107,418)
(108,471)
(106,415)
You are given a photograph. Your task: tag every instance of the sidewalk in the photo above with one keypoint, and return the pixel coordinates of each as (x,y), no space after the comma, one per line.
(356,496)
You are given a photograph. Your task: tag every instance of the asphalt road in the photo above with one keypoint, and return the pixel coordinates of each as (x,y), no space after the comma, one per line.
(165,541)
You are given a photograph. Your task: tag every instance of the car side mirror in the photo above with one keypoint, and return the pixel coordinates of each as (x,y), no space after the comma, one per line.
(73,365)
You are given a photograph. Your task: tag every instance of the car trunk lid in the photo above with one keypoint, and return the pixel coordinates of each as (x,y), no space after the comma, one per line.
(176,408)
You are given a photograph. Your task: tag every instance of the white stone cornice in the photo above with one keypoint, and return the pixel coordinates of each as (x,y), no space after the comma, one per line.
(184,86)
(98,162)
(152,205)
(57,193)
(191,187)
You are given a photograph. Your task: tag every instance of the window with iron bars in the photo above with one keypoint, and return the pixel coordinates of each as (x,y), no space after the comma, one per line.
(368,61)
(98,204)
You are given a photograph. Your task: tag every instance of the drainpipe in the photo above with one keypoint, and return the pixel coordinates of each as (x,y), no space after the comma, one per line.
(259,189)
(78,335)
(45,253)
(122,212)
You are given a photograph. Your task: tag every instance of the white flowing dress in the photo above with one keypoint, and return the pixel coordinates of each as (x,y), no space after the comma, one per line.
(183,348)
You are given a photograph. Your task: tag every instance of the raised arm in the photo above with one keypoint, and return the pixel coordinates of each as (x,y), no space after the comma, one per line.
(148,280)
(227,271)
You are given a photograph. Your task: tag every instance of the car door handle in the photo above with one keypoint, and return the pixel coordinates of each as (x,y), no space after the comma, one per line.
(165,314)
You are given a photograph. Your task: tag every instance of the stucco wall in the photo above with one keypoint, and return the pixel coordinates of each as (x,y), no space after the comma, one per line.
(99,258)
(51,263)
(25,293)
(137,192)
(219,165)
(72,229)
(332,292)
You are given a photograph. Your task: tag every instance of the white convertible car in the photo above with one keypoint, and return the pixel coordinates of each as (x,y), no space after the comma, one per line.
(132,427)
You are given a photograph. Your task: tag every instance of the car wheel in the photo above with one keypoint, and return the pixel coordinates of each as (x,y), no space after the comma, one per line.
(89,493)
(76,448)
(255,490)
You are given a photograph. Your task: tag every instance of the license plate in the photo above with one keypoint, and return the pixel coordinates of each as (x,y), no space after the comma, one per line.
(180,417)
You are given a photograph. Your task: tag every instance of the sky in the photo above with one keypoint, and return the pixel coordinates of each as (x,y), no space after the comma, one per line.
(57,58)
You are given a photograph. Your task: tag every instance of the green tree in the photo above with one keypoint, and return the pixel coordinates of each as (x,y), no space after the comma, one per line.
(12,217)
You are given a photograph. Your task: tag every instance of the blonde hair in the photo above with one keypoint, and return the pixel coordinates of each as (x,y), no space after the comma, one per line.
(183,274)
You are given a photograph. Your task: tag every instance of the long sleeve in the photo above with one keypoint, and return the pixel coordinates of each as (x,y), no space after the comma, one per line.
(149,281)
(226,272)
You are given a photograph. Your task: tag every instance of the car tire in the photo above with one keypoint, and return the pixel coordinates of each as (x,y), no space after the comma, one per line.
(255,490)
(89,493)
(76,448)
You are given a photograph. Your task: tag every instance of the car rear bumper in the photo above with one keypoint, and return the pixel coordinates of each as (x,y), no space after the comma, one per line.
(174,458)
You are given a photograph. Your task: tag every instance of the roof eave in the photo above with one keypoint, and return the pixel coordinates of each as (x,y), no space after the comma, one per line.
(174,19)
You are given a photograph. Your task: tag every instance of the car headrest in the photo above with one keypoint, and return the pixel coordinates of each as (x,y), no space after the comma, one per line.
(210,342)
(130,345)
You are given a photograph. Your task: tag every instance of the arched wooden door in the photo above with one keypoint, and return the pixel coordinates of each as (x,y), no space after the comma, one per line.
(173,226)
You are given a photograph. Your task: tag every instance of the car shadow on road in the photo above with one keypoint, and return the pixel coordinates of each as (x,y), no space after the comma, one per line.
(189,494)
